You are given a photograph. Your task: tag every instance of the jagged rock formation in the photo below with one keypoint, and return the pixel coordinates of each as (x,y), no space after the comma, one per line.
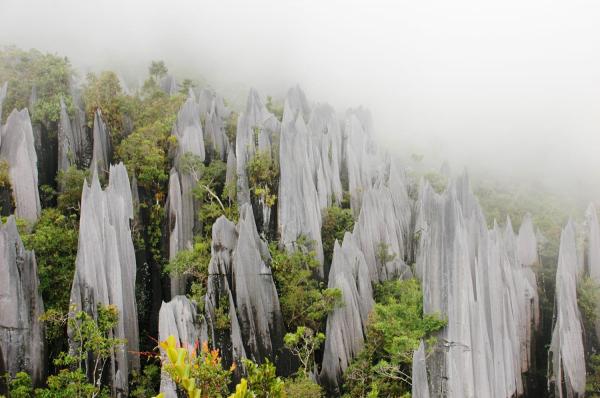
(214,113)
(256,129)
(17,148)
(101,147)
(566,350)
(219,298)
(475,279)
(179,318)
(183,207)
(21,305)
(420,385)
(240,285)
(105,267)
(593,251)
(346,325)
(299,212)
(66,141)
(3,91)
(169,85)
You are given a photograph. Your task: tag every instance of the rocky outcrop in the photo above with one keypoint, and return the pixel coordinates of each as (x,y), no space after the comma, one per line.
(17,148)
(474,278)
(420,384)
(105,266)
(101,154)
(241,303)
(299,212)
(256,129)
(67,151)
(346,325)
(257,303)
(183,207)
(21,305)
(566,350)
(179,318)
(3,92)
(592,254)
(215,113)
(169,85)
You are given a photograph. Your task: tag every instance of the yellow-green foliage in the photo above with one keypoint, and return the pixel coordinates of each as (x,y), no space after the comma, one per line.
(263,175)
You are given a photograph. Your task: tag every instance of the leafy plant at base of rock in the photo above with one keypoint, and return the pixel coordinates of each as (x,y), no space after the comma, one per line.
(303,299)
(383,254)
(592,383)
(263,380)
(20,386)
(222,318)
(231,127)
(54,240)
(4,174)
(588,297)
(303,343)
(143,385)
(302,387)
(90,339)
(193,263)
(263,176)
(70,182)
(199,375)
(336,222)
(275,108)
(48,73)
(396,327)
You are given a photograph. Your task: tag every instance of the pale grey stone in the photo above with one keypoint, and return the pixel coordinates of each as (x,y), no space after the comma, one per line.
(21,306)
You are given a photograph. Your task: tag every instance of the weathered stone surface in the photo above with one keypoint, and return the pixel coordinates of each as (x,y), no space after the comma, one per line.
(3,91)
(101,145)
(255,131)
(476,279)
(327,139)
(67,150)
(215,113)
(17,148)
(593,250)
(105,267)
(299,212)
(169,85)
(179,318)
(21,331)
(566,350)
(257,303)
(527,241)
(183,207)
(346,325)
(420,385)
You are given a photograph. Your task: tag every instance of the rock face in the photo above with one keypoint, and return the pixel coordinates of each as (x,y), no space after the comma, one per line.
(17,148)
(299,212)
(474,277)
(21,331)
(566,350)
(183,207)
(3,91)
(240,285)
(346,325)
(105,267)
(179,318)
(169,85)
(215,113)
(101,146)
(420,385)
(593,250)
(256,129)
(67,151)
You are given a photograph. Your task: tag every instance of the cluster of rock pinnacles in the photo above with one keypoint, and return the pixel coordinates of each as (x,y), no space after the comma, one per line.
(480,279)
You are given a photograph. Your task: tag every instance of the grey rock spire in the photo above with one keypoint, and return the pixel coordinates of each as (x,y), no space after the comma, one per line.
(21,331)
(17,148)
(105,266)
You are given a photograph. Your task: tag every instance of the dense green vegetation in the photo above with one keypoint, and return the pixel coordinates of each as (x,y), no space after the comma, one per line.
(396,327)
(336,222)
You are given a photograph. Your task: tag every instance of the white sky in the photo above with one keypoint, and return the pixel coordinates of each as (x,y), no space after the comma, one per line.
(510,86)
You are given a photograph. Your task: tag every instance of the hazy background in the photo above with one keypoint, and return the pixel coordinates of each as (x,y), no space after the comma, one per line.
(509,86)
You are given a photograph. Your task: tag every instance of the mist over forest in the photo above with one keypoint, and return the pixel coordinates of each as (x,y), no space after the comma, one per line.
(299,199)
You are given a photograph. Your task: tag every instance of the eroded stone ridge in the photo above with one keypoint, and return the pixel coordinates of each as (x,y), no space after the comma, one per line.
(21,306)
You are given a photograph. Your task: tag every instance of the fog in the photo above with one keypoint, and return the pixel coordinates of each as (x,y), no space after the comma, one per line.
(510,87)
